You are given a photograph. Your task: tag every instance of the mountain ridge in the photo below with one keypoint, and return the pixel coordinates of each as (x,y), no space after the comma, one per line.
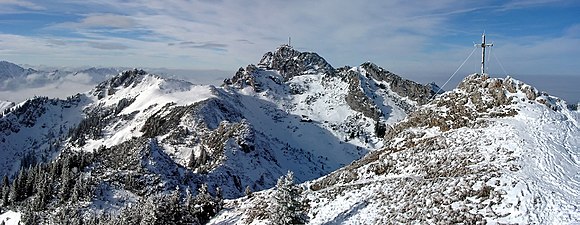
(103,116)
(142,138)
(477,154)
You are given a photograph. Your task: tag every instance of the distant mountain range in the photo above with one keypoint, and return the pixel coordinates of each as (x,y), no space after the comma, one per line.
(369,146)
(13,76)
(18,84)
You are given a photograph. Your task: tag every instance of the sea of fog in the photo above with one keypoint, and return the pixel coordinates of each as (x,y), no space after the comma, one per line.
(565,87)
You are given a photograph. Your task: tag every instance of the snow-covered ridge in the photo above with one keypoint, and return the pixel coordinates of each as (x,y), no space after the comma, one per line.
(5,105)
(190,120)
(295,112)
(491,151)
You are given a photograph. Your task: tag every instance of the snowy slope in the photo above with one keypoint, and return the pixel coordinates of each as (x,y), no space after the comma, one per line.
(10,70)
(145,135)
(10,218)
(492,150)
(35,128)
(5,105)
(310,118)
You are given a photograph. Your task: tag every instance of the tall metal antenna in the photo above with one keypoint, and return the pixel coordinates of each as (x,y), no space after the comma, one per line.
(483,45)
(289,42)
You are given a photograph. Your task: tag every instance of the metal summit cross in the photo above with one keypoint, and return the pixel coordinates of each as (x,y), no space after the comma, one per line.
(483,45)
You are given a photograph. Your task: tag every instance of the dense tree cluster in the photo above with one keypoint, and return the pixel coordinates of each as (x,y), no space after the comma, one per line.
(91,127)
(38,186)
(171,208)
(65,190)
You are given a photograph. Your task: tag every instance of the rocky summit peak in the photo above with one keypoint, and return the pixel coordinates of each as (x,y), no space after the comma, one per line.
(290,62)
(125,78)
(403,87)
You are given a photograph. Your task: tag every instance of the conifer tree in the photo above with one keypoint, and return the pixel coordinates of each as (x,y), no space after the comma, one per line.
(14,194)
(4,191)
(191,163)
(286,206)
(172,208)
(149,212)
(248,192)
(205,204)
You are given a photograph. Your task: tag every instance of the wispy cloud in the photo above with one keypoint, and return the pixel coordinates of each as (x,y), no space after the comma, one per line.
(105,21)
(518,4)
(8,5)
(107,46)
(407,36)
(201,45)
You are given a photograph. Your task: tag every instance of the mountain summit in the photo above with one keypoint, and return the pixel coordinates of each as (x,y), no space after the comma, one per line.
(140,148)
(490,151)
(290,63)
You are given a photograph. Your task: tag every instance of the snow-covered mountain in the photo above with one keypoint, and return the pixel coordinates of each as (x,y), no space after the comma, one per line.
(140,135)
(14,77)
(5,105)
(18,84)
(490,151)
(10,70)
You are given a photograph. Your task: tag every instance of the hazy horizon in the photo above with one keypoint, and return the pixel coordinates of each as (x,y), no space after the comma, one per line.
(562,86)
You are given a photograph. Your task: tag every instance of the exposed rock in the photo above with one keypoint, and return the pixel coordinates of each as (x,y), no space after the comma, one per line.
(245,77)
(292,63)
(403,87)
(125,79)
(357,99)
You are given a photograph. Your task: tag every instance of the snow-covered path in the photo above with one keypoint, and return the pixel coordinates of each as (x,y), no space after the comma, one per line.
(549,163)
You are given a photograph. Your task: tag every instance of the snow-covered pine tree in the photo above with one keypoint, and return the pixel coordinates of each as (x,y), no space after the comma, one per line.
(286,205)
(191,163)
(204,204)
(248,191)
(149,213)
(13,195)
(219,200)
(4,191)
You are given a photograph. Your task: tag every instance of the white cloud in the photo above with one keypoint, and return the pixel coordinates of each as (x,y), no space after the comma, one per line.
(228,34)
(518,4)
(99,21)
(8,5)
(107,20)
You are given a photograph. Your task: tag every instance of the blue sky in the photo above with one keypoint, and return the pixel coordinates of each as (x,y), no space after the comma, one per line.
(414,38)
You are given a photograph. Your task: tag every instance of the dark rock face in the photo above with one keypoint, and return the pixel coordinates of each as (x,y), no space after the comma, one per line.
(292,63)
(358,100)
(403,87)
(361,95)
(245,77)
(125,79)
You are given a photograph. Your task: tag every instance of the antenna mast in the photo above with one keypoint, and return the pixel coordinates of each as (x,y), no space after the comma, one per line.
(483,45)
(289,41)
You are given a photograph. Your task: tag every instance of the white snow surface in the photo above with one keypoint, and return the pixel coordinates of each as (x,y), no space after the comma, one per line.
(316,120)
(10,218)
(312,132)
(151,94)
(5,105)
(521,169)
